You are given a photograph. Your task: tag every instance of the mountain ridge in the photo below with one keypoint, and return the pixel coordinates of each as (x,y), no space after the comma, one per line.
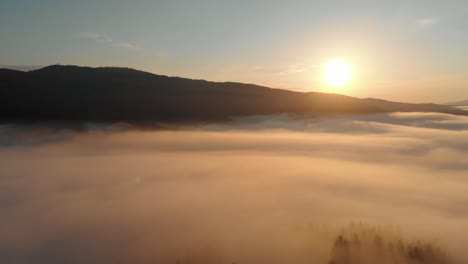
(76,93)
(458,103)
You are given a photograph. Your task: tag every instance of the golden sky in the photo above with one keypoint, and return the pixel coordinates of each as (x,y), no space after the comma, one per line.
(415,51)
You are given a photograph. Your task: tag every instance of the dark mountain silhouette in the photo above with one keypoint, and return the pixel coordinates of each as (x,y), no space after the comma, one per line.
(21,67)
(459,103)
(72,93)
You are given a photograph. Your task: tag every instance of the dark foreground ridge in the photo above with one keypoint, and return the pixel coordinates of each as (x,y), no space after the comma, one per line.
(72,93)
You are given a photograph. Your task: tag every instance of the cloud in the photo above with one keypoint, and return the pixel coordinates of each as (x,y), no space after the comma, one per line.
(100,38)
(427,21)
(103,38)
(293,69)
(125,46)
(263,189)
(88,35)
(162,54)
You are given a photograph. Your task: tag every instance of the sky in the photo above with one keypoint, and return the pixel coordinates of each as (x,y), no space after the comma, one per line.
(414,51)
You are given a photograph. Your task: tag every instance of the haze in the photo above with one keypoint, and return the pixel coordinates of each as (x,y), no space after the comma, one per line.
(267,189)
(233,132)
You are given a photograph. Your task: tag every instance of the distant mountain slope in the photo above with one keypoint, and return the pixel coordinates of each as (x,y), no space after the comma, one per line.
(459,103)
(21,67)
(72,93)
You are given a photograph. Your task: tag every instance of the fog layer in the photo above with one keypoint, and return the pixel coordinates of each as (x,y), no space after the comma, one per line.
(257,190)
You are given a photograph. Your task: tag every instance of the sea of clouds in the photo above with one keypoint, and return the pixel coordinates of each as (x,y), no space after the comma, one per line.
(263,189)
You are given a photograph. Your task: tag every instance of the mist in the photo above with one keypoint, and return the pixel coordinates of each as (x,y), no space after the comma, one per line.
(263,189)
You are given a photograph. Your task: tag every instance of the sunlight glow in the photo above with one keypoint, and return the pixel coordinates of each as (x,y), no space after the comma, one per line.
(337,73)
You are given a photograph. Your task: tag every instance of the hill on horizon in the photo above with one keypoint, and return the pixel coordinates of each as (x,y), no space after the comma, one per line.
(458,103)
(111,94)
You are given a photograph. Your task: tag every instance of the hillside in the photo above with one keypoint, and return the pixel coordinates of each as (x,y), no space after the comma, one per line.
(459,103)
(72,93)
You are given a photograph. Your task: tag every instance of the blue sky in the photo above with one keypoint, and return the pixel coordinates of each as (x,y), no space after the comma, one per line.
(401,50)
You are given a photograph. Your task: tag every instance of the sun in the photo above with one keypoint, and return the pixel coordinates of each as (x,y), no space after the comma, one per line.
(337,73)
